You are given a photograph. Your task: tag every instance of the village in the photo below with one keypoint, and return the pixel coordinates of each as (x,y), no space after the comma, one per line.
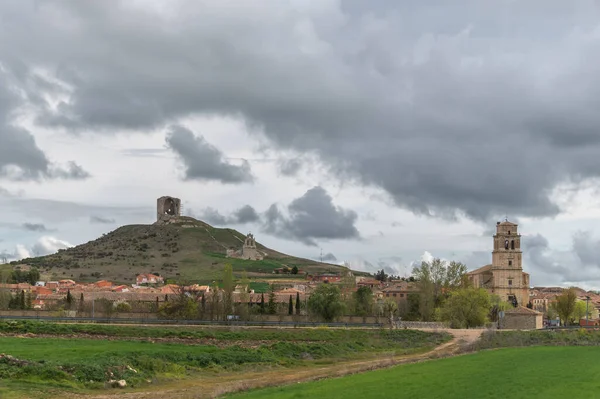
(144,298)
(364,298)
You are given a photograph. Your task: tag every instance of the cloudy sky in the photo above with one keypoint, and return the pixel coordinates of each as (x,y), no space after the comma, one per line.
(377,133)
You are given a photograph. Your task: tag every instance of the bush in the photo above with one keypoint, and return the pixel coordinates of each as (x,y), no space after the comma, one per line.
(123,307)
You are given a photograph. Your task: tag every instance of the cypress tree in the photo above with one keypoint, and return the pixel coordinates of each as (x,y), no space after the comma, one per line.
(262,303)
(291,307)
(22,300)
(297,303)
(272,306)
(69,299)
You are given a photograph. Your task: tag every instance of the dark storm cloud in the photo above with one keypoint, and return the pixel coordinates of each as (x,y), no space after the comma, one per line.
(245,214)
(101,220)
(312,217)
(445,106)
(289,167)
(329,257)
(37,227)
(203,161)
(20,157)
(579,264)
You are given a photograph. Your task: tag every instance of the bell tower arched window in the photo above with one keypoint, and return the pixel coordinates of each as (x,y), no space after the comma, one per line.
(512,244)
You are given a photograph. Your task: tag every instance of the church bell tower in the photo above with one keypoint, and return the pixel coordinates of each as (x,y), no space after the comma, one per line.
(507,247)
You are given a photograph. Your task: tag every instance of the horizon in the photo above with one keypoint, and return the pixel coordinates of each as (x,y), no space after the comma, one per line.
(337,127)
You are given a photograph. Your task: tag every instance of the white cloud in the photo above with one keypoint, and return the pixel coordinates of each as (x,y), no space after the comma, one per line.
(45,245)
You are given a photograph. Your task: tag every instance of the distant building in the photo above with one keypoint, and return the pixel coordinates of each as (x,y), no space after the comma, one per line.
(103,284)
(368,282)
(249,250)
(398,292)
(325,278)
(149,279)
(504,276)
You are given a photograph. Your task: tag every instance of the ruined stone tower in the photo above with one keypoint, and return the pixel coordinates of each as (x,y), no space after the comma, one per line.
(167,208)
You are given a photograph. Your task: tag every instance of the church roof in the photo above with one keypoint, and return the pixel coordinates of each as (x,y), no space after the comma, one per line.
(522,310)
(507,223)
(481,269)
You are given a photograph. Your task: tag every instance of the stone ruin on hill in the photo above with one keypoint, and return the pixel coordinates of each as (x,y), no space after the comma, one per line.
(168,210)
(248,251)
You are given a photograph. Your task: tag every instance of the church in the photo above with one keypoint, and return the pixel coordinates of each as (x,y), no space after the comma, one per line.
(504,276)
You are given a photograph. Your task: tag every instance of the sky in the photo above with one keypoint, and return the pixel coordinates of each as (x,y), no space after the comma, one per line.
(376,133)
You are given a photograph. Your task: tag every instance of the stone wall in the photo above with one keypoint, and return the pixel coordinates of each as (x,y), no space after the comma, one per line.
(519,321)
(420,324)
(154,316)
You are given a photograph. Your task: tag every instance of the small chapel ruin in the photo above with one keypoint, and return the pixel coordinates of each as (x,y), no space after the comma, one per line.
(248,251)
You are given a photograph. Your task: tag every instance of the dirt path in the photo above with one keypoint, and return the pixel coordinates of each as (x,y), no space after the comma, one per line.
(222,383)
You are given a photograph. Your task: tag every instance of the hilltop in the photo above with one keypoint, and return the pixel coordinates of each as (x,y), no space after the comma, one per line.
(188,250)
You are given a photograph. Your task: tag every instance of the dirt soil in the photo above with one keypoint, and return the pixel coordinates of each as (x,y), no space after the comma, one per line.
(213,386)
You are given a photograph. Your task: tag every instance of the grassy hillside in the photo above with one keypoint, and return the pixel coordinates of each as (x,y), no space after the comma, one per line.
(175,251)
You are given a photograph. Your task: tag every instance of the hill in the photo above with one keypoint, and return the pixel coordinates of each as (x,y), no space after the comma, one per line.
(189,250)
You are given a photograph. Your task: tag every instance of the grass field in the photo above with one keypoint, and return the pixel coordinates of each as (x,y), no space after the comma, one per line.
(536,372)
(144,356)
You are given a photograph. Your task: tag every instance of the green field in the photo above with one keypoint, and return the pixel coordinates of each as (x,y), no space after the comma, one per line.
(145,357)
(536,372)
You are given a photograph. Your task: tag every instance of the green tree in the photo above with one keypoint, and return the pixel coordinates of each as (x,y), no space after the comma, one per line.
(295,270)
(435,280)
(262,303)
(13,303)
(580,311)
(244,297)
(228,288)
(33,276)
(326,302)
(381,275)
(363,301)
(466,308)
(498,305)
(291,306)
(180,307)
(297,303)
(551,313)
(564,304)
(22,304)
(81,302)
(123,307)
(272,306)
(28,301)
(390,308)
(203,305)
(69,300)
